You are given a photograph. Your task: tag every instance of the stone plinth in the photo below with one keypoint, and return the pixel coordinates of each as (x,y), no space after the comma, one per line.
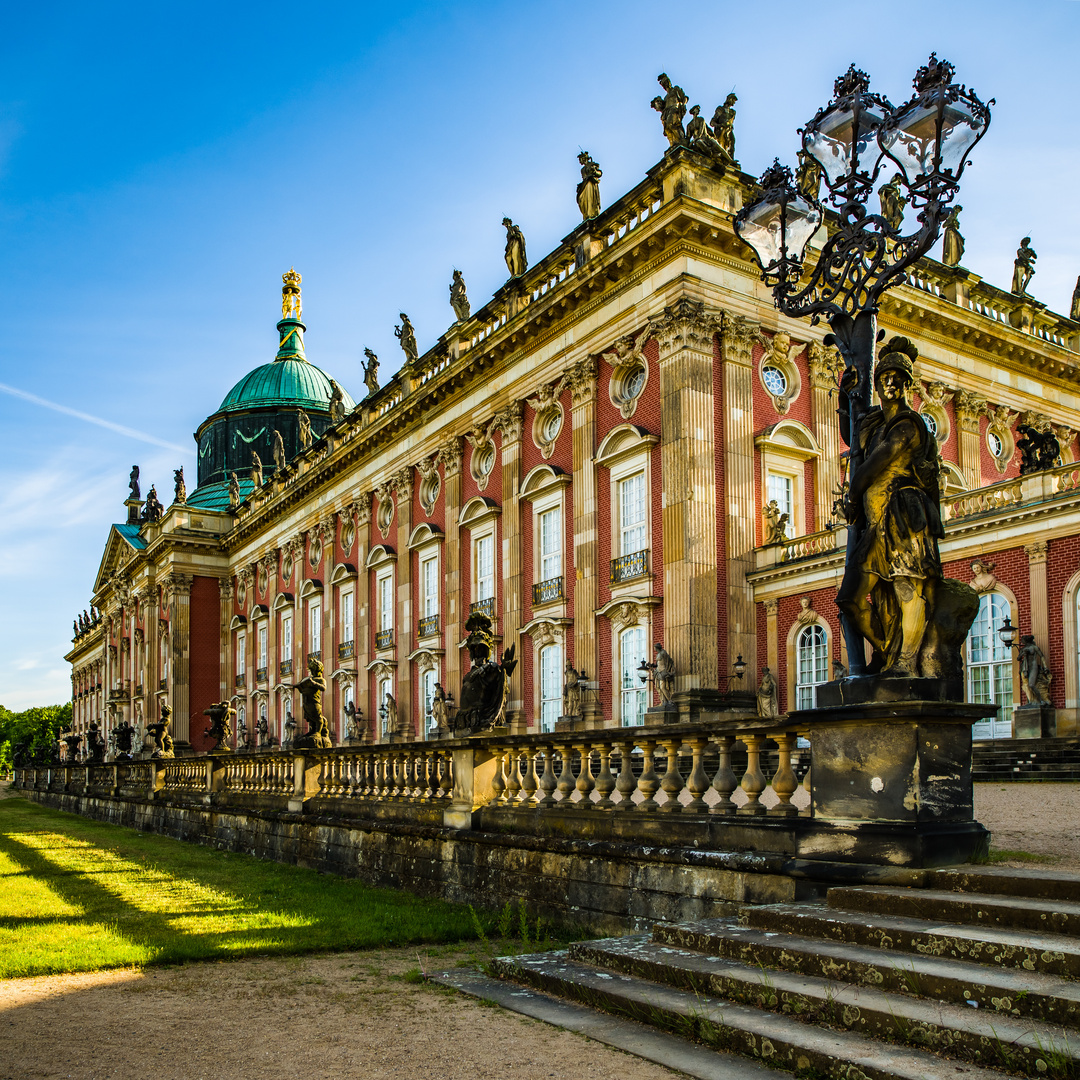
(1035,720)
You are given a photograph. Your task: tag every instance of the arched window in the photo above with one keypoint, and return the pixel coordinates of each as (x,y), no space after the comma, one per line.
(811,665)
(550,686)
(632,695)
(990,667)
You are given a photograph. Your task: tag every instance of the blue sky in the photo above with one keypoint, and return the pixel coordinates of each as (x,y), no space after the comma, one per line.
(161,166)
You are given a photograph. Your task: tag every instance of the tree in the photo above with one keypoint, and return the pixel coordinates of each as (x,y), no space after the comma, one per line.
(38,727)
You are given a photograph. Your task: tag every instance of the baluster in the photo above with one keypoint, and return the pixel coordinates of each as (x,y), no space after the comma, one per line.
(547,781)
(427,787)
(648,782)
(529,780)
(626,784)
(698,783)
(327,784)
(605,782)
(498,784)
(566,777)
(397,783)
(448,776)
(673,781)
(784,782)
(725,780)
(585,782)
(753,783)
(513,776)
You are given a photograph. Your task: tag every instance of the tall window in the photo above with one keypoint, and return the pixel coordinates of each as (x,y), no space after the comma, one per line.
(484,566)
(384,689)
(990,667)
(241,655)
(262,644)
(781,490)
(632,519)
(347,616)
(811,665)
(315,626)
(550,686)
(551,544)
(427,697)
(241,724)
(429,578)
(632,694)
(386,602)
(286,637)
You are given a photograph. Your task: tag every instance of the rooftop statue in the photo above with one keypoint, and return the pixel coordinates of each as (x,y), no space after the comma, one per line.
(588,191)
(303,423)
(700,137)
(459,299)
(517,262)
(290,295)
(407,336)
(152,509)
(256,470)
(808,176)
(672,109)
(371,371)
(179,487)
(278,450)
(133,483)
(337,403)
(234,489)
(1023,267)
(914,620)
(723,128)
(893,203)
(221,714)
(311,689)
(952,250)
(1074,307)
(482,698)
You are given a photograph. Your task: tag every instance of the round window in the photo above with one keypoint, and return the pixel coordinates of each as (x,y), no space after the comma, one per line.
(286,568)
(775,381)
(315,554)
(930,422)
(552,425)
(264,579)
(634,383)
(997,447)
(485,460)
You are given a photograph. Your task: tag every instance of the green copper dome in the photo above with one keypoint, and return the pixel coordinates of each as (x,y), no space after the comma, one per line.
(283,382)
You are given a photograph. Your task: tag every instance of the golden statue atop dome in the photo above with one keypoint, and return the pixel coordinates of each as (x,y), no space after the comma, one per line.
(290,295)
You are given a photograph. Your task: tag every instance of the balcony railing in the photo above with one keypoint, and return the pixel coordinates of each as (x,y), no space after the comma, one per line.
(628,567)
(260,674)
(384,639)
(240,679)
(284,668)
(545,592)
(346,650)
(429,625)
(483,607)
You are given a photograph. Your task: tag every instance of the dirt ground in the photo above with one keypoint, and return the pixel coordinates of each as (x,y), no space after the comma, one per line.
(352,1014)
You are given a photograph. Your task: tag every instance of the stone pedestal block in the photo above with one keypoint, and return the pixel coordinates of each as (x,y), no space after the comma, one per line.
(1035,721)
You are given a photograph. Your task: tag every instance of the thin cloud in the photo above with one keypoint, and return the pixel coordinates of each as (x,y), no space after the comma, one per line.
(131,433)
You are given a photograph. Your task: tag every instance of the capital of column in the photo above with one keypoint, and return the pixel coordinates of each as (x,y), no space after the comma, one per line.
(361,507)
(510,421)
(772,607)
(450,455)
(825,365)
(1036,552)
(685,325)
(969,407)
(582,379)
(737,339)
(402,482)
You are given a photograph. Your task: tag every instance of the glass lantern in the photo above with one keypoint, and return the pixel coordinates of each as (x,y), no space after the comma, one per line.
(779,227)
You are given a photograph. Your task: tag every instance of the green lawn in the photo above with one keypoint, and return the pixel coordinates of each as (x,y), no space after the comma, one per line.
(79,895)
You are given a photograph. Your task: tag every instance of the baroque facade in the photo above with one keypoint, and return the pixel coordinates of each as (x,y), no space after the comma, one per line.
(588,458)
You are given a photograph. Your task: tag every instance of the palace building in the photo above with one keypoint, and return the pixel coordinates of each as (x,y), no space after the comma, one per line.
(587,458)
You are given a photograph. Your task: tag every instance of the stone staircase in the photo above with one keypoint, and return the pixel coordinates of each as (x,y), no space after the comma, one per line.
(977,976)
(1026,759)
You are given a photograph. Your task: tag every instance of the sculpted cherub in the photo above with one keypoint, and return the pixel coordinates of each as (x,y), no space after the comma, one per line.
(546,396)
(779,348)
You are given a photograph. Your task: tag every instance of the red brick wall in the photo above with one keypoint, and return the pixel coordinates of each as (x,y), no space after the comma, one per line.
(1063,561)
(205,656)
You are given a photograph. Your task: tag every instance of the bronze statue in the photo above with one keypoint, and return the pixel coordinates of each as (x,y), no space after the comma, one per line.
(1039,450)
(133,483)
(808,176)
(672,109)
(893,203)
(124,733)
(483,685)
(1023,267)
(572,691)
(588,191)
(256,470)
(723,128)
(303,422)
(95,744)
(663,669)
(952,250)
(768,700)
(459,299)
(234,489)
(72,741)
(775,524)
(161,734)
(278,450)
(311,689)
(179,487)
(337,403)
(405,334)
(893,509)
(371,371)
(517,261)
(221,714)
(1034,672)
(152,509)
(440,708)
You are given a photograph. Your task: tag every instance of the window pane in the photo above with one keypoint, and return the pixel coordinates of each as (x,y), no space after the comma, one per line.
(430,578)
(550,686)
(484,553)
(632,519)
(633,695)
(811,665)
(550,544)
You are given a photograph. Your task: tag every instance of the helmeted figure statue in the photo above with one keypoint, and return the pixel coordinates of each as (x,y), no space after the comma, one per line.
(723,128)
(459,298)
(672,109)
(407,336)
(952,250)
(1034,671)
(588,191)
(311,689)
(517,262)
(221,714)
(482,687)
(1023,267)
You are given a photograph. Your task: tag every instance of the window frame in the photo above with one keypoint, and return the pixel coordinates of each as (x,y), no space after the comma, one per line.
(808,689)
(630,687)
(550,694)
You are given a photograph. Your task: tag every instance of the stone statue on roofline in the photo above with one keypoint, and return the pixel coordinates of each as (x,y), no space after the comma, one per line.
(1023,267)
(407,337)
(256,470)
(371,371)
(459,298)
(234,489)
(303,426)
(1074,307)
(588,191)
(153,508)
(337,403)
(517,262)
(893,203)
(808,177)
(723,129)
(672,108)
(482,688)
(952,249)
(133,483)
(278,451)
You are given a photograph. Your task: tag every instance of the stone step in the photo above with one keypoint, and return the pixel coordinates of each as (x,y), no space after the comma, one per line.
(1001,880)
(997,1040)
(1012,992)
(1051,954)
(773,1037)
(980,909)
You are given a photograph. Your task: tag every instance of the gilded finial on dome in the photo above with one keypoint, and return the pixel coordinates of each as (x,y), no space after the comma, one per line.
(290,295)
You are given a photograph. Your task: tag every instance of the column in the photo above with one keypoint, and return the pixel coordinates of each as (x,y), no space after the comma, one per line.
(362,617)
(582,378)
(969,407)
(772,635)
(270,563)
(327,533)
(510,423)
(179,586)
(451,621)
(225,655)
(406,617)
(1040,595)
(740,506)
(825,367)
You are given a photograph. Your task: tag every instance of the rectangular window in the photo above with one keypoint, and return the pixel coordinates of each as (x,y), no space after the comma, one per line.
(347,616)
(386,602)
(484,567)
(632,518)
(262,645)
(781,490)
(286,637)
(241,655)
(632,693)
(384,693)
(551,544)
(550,686)
(429,578)
(315,626)
(427,697)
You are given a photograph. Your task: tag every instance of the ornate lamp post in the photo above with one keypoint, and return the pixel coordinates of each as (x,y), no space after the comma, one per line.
(927,140)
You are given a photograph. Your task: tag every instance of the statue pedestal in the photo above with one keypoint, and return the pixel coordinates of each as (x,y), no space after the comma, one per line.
(662,714)
(891,782)
(1035,720)
(570,723)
